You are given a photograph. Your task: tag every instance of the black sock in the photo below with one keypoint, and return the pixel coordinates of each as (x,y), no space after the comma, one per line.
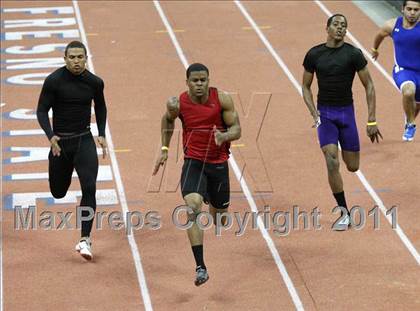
(198,255)
(341,200)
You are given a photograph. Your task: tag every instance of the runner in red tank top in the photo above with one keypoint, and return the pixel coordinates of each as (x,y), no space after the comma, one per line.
(209,123)
(198,122)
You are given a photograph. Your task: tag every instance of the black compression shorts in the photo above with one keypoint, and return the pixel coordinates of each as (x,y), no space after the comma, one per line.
(211,180)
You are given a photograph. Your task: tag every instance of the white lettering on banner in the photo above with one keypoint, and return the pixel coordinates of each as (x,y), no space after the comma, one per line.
(23,114)
(37,49)
(44,22)
(24,132)
(24,200)
(34,63)
(40,33)
(93,127)
(42,10)
(104,174)
(31,154)
(20,35)
(28,78)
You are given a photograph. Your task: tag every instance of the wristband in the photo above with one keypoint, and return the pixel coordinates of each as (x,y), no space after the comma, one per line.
(375,50)
(164,148)
(372,123)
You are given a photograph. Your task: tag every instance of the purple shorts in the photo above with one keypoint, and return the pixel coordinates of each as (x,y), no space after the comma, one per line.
(338,124)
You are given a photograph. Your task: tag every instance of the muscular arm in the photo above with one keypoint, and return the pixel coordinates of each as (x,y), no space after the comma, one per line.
(307,93)
(168,120)
(100,109)
(385,31)
(230,118)
(372,129)
(45,102)
(167,126)
(367,82)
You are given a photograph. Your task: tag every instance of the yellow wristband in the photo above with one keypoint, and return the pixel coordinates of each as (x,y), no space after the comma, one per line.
(375,50)
(165,148)
(372,123)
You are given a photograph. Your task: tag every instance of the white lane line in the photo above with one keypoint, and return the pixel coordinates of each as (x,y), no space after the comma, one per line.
(359,173)
(120,187)
(1,209)
(274,252)
(362,178)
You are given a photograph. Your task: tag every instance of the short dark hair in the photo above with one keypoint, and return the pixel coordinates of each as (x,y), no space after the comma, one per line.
(330,19)
(196,67)
(405,2)
(75,44)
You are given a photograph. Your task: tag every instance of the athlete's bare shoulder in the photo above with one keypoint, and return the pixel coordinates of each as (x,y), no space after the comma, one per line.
(225,100)
(172,106)
(389,25)
(173,102)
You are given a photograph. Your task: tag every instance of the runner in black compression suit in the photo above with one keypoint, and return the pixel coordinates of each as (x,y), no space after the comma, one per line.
(69,92)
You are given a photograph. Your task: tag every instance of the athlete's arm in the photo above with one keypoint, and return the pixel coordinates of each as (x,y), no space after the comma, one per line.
(168,120)
(365,78)
(100,114)
(100,109)
(367,82)
(45,102)
(385,31)
(230,118)
(308,77)
(167,129)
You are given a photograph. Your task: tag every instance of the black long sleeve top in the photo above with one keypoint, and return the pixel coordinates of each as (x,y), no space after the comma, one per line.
(70,97)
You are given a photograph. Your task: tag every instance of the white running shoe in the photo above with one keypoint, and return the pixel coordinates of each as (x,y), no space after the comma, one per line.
(343,224)
(84,248)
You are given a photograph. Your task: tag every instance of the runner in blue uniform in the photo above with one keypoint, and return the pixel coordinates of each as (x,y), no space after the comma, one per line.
(405,32)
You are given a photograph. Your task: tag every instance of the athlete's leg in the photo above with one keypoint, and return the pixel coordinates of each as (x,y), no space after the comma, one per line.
(333,166)
(86,164)
(193,185)
(328,134)
(349,139)
(408,83)
(195,202)
(60,170)
(193,188)
(214,212)
(352,160)
(218,189)
(408,90)
(195,235)
(336,182)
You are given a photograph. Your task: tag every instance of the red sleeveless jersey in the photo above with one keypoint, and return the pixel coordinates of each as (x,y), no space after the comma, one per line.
(198,121)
